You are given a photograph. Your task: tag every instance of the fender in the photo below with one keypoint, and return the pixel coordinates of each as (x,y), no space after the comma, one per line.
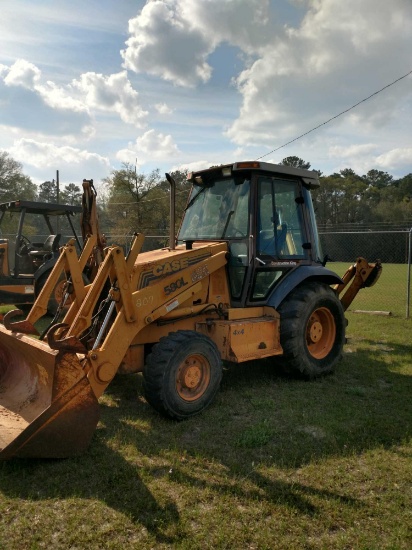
(46,267)
(297,276)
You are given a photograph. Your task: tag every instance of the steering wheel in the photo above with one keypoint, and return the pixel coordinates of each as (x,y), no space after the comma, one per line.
(24,244)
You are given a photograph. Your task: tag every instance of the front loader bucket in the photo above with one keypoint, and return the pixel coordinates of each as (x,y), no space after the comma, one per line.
(47,406)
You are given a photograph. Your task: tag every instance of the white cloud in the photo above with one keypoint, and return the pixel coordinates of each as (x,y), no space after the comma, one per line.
(173,38)
(395,159)
(150,146)
(341,53)
(193,166)
(92,92)
(163,109)
(57,97)
(73,162)
(22,73)
(48,154)
(112,93)
(158,145)
(242,23)
(162,44)
(300,66)
(364,157)
(337,151)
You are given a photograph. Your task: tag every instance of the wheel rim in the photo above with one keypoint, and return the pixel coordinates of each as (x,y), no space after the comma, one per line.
(193,377)
(320,333)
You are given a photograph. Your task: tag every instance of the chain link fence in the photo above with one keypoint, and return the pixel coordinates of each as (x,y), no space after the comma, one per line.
(390,295)
(392,292)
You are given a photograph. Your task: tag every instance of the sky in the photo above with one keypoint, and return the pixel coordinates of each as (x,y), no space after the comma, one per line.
(186,84)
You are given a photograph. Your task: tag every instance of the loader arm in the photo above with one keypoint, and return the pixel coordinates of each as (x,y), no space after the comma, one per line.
(359,275)
(49,392)
(72,266)
(134,310)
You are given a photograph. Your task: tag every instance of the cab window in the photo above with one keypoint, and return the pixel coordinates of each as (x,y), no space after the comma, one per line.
(280,223)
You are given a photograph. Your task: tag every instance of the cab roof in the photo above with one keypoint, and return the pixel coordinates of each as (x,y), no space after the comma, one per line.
(310,178)
(47,208)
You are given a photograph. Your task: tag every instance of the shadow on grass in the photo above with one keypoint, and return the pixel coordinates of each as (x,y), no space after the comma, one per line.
(366,405)
(100,474)
(264,417)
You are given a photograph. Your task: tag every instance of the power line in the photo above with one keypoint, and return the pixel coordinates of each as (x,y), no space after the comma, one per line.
(336,116)
(143,201)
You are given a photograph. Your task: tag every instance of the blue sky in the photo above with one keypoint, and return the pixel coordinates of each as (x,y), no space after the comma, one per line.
(87,86)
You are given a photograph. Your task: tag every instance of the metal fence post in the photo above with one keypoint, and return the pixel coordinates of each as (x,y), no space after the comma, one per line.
(408,284)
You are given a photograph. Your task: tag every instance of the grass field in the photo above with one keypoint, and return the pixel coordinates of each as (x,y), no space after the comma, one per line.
(389,293)
(273,463)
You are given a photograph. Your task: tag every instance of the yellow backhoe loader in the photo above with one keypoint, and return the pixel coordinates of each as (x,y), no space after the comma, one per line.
(243,280)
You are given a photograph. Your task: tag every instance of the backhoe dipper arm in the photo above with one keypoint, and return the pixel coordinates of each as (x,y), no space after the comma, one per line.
(363,275)
(90,226)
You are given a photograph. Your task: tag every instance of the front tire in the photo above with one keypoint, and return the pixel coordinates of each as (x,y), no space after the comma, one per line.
(182,374)
(312,330)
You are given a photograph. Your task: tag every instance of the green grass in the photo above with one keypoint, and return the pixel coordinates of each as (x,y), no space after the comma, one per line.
(273,463)
(388,294)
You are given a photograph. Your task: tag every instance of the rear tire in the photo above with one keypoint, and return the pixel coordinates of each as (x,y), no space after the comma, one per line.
(312,330)
(182,374)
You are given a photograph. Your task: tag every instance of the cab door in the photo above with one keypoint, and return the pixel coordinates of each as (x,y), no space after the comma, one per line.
(281,233)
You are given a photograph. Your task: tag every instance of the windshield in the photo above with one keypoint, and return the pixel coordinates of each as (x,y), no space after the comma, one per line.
(217,211)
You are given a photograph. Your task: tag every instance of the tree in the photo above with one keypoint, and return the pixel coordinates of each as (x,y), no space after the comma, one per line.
(340,198)
(71,194)
(395,204)
(13,183)
(139,202)
(296,162)
(160,208)
(378,179)
(127,191)
(48,191)
(326,199)
(405,188)
(352,208)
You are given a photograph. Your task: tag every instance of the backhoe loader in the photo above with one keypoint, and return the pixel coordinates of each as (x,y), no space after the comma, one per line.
(244,279)
(24,263)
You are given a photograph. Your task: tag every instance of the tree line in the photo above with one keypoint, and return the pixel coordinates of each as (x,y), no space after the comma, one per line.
(345,197)
(16,185)
(129,201)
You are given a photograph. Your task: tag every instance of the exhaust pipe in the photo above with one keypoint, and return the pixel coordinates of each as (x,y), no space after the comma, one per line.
(172,237)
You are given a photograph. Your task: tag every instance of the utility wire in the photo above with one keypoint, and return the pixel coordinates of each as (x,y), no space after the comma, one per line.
(143,201)
(336,116)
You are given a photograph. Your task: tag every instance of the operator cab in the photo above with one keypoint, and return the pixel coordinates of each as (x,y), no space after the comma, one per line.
(264,211)
(21,257)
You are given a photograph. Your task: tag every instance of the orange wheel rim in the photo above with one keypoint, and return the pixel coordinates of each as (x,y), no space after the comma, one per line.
(193,377)
(320,333)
